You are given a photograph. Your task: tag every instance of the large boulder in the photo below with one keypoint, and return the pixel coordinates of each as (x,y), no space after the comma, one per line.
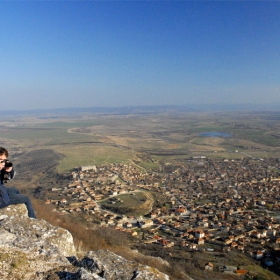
(32,249)
(112,267)
(28,246)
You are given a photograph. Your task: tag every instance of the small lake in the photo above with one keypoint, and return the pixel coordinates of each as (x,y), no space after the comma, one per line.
(214,134)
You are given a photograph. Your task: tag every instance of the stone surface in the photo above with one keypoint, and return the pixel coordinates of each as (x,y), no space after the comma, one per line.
(30,245)
(34,249)
(112,267)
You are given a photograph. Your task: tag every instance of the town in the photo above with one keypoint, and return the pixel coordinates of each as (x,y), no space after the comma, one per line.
(206,204)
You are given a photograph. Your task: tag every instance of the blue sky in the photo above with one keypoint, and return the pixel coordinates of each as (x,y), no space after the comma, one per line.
(60,54)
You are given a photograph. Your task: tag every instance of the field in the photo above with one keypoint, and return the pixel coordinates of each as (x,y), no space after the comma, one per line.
(146,140)
(43,148)
(137,203)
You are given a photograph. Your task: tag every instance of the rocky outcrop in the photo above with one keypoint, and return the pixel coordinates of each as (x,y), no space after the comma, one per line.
(34,249)
(30,245)
(112,266)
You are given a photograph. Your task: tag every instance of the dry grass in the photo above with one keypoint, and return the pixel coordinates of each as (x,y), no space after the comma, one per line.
(84,239)
(103,238)
(94,154)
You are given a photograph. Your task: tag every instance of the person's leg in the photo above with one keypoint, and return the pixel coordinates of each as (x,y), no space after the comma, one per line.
(17,198)
(12,191)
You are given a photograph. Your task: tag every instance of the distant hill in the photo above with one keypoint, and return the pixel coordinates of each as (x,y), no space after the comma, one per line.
(142,109)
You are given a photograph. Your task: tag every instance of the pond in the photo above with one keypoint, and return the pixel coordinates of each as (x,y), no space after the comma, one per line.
(215,134)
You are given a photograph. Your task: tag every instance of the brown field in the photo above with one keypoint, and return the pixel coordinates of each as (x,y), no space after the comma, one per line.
(144,140)
(42,148)
(107,139)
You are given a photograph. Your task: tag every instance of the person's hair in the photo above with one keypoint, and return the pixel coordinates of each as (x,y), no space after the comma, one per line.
(4,151)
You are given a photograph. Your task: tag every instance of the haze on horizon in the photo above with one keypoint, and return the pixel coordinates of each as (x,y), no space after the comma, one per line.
(65,54)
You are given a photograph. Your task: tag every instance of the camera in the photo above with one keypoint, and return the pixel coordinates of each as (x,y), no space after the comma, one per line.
(8,164)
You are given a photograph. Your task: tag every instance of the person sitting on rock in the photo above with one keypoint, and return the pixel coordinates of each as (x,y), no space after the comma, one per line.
(11,195)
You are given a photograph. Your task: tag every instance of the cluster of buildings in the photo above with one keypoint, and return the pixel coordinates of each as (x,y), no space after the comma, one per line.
(205,204)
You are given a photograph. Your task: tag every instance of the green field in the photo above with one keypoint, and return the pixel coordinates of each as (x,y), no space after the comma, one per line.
(94,154)
(146,140)
(136,203)
(42,147)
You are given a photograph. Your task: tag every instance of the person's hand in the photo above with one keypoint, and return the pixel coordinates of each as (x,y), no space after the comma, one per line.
(8,169)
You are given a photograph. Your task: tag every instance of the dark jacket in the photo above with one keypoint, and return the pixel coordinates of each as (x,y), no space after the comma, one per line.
(4,197)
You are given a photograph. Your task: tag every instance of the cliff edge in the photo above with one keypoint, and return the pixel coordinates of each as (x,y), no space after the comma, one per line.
(35,249)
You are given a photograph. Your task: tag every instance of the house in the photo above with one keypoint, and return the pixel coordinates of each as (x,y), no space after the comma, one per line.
(199,234)
(271,232)
(205,224)
(255,234)
(258,255)
(263,233)
(209,266)
(181,210)
(229,269)
(134,233)
(169,244)
(48,201)
(240,247)
(228,241)
(128,224)
(241,271)
(88,167)
(193,246)
(146,223)
(200,241)
(163,242)
(153,215)
(63,201)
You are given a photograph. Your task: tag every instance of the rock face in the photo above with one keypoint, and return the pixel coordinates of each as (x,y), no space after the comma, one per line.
(112,267)
(34,249)
(30,245)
